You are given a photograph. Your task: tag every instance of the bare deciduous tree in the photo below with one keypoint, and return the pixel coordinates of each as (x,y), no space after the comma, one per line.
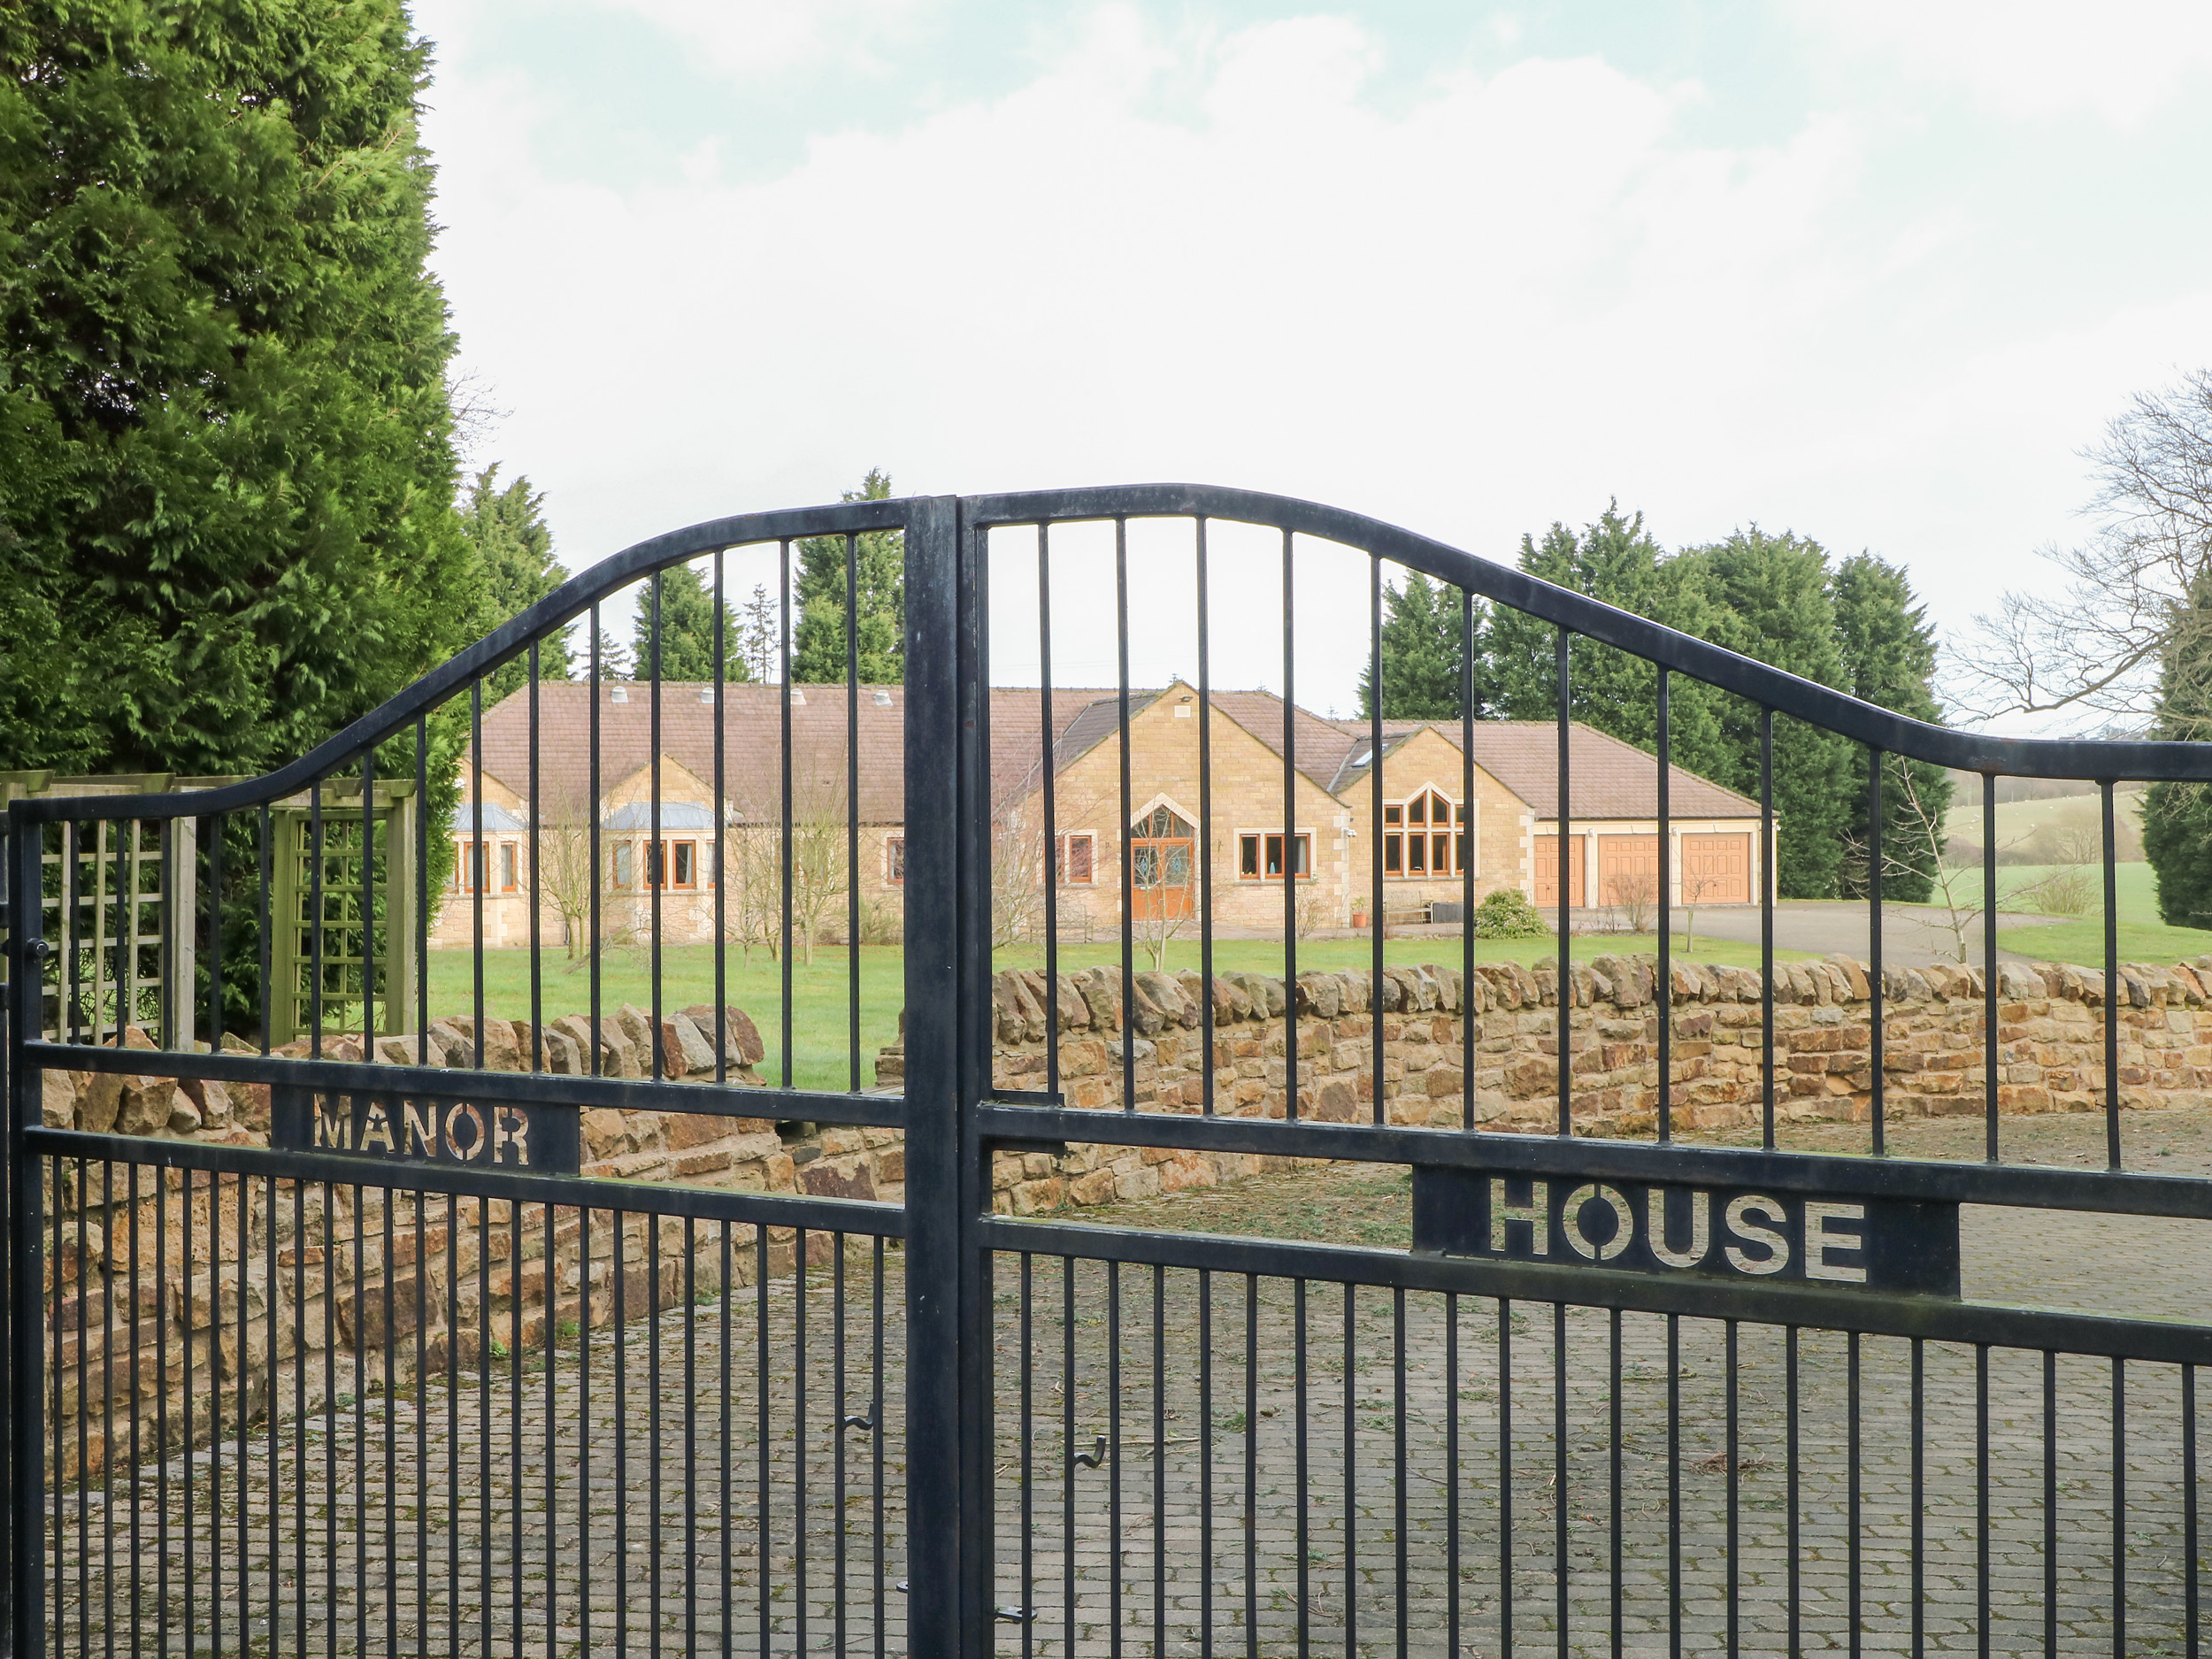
(1163,900)
(752,914)
(1634,896)
(1019,861)
(2133,592)
(566,872)
(757,852)
(817,851)
(1955,888)
(1696,883)
(1316,911)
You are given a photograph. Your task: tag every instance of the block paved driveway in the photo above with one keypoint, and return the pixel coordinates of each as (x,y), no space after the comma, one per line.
(478,1534)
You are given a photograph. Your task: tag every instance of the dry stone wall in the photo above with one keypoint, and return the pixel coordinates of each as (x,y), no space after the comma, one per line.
(2050,1020)
(218,1296)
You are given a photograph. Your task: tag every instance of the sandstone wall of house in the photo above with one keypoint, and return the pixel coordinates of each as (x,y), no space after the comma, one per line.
(217,1294)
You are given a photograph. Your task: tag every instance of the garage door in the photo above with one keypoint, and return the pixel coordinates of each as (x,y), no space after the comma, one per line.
(1547,870)
(1717,869)
(1628,871)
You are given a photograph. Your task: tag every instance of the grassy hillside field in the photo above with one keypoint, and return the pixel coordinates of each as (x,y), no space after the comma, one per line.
(2021,889)
(2049,862)
(2066,829)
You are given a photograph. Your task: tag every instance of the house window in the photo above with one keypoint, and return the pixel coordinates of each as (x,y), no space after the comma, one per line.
(624,865)
(1260,857)
(468,867)
(671,864)
(507,882)
(894,860)
(1419,838)
(1073,859)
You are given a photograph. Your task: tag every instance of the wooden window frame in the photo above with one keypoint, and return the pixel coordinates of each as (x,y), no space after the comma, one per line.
(660,855)
(1403,843)
(1064,847)
(510,866)
(1256,842)
(895,861)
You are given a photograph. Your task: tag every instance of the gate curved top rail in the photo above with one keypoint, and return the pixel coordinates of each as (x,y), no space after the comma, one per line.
(2098,759)
(502,645)
(2092,758)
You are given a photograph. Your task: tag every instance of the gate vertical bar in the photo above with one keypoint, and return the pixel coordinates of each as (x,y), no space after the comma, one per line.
(20,960)
(2111,982)
(1989,962)
(948,1547)
(1877,1105)
(26,1272)
(1665,985)
(1566,998)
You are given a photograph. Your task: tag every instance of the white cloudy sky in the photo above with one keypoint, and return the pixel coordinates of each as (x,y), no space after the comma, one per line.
(1874,272)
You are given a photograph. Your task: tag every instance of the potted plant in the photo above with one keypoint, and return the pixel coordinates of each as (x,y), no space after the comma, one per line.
(1359,912)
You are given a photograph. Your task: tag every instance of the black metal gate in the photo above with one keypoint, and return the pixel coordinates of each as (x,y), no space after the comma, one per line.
(592,1330)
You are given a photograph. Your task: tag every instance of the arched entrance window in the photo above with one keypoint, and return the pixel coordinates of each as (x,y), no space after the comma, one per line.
(1162,866)
(1425,836)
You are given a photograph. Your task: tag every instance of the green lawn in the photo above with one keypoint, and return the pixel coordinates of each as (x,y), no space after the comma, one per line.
(2143,937)
(819,1032)
(819,1028)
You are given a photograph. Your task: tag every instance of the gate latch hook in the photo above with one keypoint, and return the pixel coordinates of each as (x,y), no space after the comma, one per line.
(1093,1458)
(1006,1611)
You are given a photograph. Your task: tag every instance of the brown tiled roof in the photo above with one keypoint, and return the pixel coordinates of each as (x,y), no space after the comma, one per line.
(1610,778)
(1323,747)
(751,740)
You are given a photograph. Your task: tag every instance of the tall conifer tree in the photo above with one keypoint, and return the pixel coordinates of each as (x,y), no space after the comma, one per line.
(1886,653)
(506,528)
(1771,601)
(818,638)
(687,630)
(1857,628)
(1421,653)
(226,472)
(2178,817)
(1617,561)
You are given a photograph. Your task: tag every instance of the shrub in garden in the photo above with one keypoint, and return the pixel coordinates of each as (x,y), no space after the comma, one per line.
(1508,914)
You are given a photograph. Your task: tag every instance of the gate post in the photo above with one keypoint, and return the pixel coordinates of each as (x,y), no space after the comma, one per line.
(948,1375)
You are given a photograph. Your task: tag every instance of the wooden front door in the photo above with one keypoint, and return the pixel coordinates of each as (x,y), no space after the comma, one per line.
(1717,869)
(1547,870)
(1163,867)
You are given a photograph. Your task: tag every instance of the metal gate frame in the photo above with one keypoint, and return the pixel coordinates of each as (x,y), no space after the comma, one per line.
(953,1117)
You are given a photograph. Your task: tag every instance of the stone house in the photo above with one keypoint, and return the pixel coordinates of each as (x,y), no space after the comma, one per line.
(728,843)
